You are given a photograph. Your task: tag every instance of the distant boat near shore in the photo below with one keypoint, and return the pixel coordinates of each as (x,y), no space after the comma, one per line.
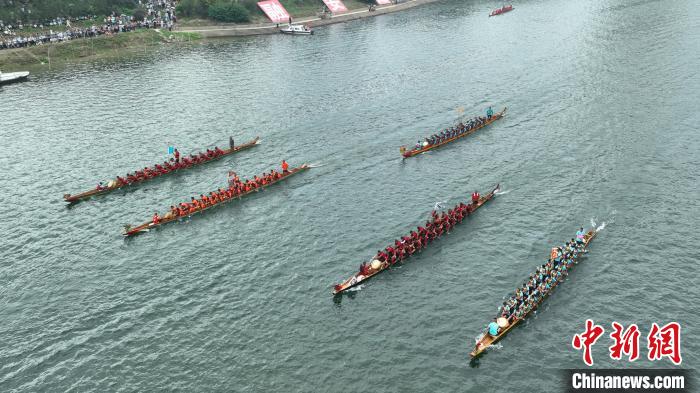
(10,77)
(297,30)
(502,10)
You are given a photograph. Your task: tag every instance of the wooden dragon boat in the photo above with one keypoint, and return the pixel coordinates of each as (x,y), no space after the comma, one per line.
(167,218)
(359,278)
(410,153)
(113,185)
(488,340)
(502,10)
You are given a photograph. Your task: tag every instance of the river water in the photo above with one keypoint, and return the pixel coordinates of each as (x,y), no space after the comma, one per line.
(602,118)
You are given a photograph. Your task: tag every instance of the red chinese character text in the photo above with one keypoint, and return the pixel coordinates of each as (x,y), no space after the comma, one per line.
(586,339)
(665,342)
(627,343)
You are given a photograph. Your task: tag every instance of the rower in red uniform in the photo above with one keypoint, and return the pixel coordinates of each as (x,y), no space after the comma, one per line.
(285,167)
(232,178)
(475,197)
(156,219)
(177,155)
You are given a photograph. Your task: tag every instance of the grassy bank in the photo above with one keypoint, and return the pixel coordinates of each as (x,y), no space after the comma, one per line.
(104,47)
(295,8)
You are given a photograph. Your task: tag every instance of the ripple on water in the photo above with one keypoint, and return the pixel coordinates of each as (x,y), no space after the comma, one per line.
(600,126)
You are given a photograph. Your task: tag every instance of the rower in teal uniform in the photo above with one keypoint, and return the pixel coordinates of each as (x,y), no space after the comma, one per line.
(493,328)
(489,113)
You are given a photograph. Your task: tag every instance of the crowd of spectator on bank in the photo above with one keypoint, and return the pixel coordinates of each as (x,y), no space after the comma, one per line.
(159,14)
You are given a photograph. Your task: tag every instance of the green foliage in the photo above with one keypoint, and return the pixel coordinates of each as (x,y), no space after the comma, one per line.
(139,14)
(251,6)
(228,11)
(193,8)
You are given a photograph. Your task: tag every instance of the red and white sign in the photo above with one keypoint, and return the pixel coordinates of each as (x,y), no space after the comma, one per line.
(274,10)
(335,6)
(383,2)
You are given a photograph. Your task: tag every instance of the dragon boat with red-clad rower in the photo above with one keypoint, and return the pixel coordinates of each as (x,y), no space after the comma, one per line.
(222,196)
(502,10)
(381,263)
(159,171)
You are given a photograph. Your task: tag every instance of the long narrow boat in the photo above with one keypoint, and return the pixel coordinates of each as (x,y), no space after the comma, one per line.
(113,185)
(487,340)
(375,266)
(410,153)
(502,10)
(147,226)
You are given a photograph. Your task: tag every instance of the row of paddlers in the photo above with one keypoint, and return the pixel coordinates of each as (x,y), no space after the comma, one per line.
(439,224)
(416,240)
(177,164)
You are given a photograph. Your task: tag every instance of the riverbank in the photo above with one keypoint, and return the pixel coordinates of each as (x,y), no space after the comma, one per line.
(37,58)
(315,21)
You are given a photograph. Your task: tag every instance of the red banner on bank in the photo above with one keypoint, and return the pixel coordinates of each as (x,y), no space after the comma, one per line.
(335,6)
(274,10)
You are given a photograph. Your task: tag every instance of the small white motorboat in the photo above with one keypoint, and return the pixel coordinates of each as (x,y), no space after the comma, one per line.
(297,30)
(9,77)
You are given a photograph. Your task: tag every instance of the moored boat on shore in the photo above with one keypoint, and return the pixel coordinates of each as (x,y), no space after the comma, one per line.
(297,30)
(11,77)
(229,195)
(413,243)
(115,184)
(459,131)
(505,324)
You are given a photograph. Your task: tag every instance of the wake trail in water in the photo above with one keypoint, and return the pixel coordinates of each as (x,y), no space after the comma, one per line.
(316,165)
(439,205)
(610,220)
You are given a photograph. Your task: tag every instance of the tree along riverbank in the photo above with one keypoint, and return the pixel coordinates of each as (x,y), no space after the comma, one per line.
(40,57)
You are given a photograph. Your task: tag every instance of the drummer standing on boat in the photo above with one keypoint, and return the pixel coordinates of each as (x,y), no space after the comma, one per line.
(489,113)
(579,236)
